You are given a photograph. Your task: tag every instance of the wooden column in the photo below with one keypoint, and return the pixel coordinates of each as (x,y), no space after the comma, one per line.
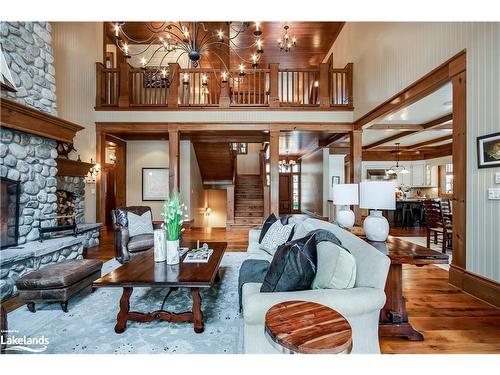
(274,145)
(224,100)
(100,154)
(173,160)
(349,84)
(324,85)
(99,97)
(355,164)
(173,90)
(274,100)
(459,168)
(124,98)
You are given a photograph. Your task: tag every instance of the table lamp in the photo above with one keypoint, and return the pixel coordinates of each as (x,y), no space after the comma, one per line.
(343,196)
(377,196)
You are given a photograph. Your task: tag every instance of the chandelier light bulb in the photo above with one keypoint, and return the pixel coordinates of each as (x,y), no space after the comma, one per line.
(259,46)
(143,61)
(294,41)
(117,29)
(221,35)
(242,70)
(185,78)
(224,77)
(257,31)
(164,73)
(316,83)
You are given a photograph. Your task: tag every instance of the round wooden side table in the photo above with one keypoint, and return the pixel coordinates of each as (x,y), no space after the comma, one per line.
(307,328)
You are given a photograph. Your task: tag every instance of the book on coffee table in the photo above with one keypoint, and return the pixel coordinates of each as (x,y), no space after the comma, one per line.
(198,256)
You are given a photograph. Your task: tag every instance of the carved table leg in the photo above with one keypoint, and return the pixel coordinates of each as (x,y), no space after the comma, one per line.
(121,318)
(197,314)
(393,320)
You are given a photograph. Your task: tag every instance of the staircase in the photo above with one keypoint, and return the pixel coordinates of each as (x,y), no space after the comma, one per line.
(249,202)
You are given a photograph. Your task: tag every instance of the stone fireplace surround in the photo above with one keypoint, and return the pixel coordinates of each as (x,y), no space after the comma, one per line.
(31,159)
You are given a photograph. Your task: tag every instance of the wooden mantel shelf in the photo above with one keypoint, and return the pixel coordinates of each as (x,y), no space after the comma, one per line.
(66,167)
(30,120)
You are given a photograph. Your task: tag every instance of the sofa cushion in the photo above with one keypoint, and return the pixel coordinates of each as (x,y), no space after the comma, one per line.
(139,224)
(301,230)
(277,235)
(59,275)
(141,242)
(293,267)
(372,265)
(336,267)
(271,219)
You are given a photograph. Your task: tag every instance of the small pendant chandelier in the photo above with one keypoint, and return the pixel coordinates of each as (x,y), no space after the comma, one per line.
(395,169)
(285,43)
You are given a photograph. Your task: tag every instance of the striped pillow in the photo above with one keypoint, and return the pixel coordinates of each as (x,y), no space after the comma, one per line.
(277,235)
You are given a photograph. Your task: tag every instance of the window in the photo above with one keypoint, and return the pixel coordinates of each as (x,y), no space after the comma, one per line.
(240,148)
(448,179)
(295,192)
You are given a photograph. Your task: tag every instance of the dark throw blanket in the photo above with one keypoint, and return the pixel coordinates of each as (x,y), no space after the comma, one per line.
(252,271)
(255,270)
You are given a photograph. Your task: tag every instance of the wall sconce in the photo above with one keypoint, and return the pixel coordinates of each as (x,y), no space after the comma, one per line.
(94,171)
(208,210)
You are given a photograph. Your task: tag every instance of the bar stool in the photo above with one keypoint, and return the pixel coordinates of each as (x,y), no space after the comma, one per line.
(407,215)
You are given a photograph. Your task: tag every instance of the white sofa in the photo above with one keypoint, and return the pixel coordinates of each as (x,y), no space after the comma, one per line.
(360,305)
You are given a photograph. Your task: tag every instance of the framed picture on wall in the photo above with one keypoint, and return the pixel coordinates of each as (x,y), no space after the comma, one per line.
(154,184)
(488,151)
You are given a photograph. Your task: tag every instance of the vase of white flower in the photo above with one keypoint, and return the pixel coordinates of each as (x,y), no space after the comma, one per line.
(174,213)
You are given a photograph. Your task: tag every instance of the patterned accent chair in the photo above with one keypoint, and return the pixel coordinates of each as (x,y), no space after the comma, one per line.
(126,246)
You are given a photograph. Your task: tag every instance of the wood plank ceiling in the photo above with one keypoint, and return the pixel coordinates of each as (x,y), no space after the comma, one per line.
(314,40)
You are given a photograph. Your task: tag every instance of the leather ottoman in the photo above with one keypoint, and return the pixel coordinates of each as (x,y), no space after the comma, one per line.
(58,282)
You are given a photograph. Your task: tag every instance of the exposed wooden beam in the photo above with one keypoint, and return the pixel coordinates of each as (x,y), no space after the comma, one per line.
(401,127)
(429,142)
(421,154)
(388,139)
(427,126)
(173,161)
(332,139)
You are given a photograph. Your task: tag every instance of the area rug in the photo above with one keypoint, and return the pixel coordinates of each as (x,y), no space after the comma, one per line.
(88,327)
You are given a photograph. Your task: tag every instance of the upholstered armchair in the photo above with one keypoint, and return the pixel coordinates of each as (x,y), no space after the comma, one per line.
(125,244)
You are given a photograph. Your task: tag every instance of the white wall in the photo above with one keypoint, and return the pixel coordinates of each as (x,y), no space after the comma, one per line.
(388,57)
(249,163)
(144,154)
(77,47)
(336,168)
(191,185)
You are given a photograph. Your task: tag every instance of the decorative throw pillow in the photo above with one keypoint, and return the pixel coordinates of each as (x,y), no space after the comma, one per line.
(139,224)
(336,267)
(277,235)
(293,267)
(267,224)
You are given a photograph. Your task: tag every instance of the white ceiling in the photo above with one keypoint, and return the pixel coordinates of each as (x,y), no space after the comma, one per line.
(433,106)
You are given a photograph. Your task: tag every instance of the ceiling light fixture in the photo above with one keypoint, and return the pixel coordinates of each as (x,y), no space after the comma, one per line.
(395,169)
(194,39)
(285,43)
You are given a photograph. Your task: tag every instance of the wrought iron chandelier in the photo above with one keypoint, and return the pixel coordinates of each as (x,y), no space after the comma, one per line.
(285,43)
(395,169)
(193,39)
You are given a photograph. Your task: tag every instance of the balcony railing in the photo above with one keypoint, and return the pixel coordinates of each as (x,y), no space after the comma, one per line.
(324,88)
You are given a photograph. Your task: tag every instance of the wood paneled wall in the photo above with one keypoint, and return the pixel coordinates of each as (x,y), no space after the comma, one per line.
(312,182)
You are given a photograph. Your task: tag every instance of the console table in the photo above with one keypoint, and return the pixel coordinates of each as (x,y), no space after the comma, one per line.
(393,320)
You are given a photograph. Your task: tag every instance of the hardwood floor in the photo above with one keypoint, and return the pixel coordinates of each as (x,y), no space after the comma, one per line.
(451,321)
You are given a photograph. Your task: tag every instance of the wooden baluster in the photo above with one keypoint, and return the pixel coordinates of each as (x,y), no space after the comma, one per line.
(124,99)
(100,92)
(274,99)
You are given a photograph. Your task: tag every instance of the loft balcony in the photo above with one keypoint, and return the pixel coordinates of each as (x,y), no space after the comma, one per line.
(323,88)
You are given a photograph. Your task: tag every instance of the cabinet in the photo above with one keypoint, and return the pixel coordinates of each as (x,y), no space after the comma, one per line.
(424,175)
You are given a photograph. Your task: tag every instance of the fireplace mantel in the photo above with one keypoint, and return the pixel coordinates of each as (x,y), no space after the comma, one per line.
(30,120)
(67,167)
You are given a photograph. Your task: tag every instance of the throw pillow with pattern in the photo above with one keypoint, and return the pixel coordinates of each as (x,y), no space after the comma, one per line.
(277,235)
(139,224)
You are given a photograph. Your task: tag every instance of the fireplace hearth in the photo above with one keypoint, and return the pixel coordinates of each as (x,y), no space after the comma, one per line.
(9,212)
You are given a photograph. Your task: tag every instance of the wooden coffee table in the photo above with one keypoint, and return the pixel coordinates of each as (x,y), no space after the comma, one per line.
(308,328)
(142,271)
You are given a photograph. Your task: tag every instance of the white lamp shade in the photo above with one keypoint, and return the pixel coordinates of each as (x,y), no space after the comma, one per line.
(377,195)
(345,194)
